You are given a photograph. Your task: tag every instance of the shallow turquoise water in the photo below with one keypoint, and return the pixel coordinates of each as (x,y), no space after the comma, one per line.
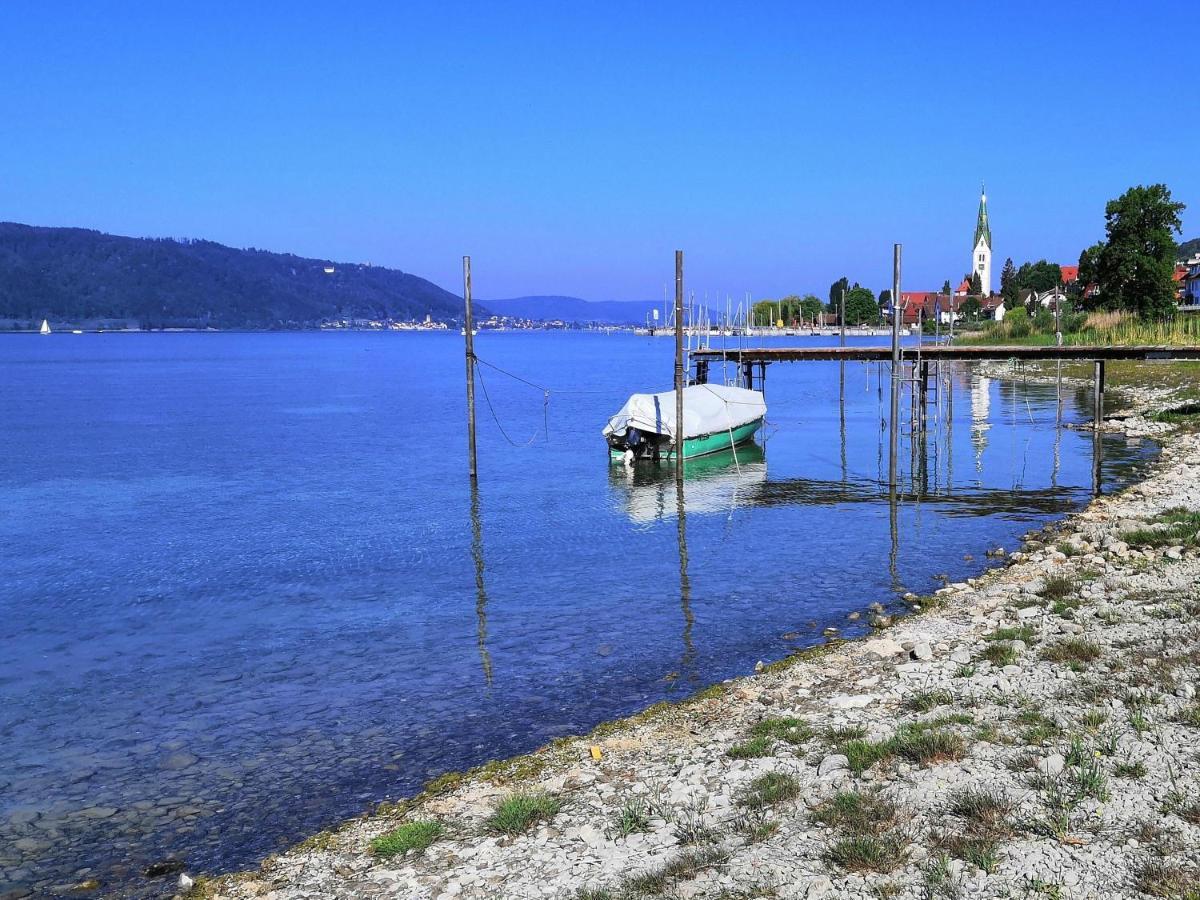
(248,591)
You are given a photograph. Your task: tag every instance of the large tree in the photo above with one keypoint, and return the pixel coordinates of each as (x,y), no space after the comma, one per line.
(1089,266)
(1039,276)
(835,292)
(810,307)
(861,306)
(946,287)
(1136,264)
(1008,282)
(885,299)
(976,283)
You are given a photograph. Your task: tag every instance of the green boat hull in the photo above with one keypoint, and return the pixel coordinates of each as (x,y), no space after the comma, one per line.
(705,444)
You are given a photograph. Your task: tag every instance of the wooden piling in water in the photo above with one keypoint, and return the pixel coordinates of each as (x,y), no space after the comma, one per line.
(679,366)
(893,420)
(470,345)
(1098,395)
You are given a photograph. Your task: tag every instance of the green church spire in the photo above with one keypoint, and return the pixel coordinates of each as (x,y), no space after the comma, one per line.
(982,229)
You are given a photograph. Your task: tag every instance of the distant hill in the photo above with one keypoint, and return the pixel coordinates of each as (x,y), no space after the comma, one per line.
(573,309)
(76,275)
(1188,249)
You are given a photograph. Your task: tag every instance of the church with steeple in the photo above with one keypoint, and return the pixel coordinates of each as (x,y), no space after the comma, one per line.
(981,258)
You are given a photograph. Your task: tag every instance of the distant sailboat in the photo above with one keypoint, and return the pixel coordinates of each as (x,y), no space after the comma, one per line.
(45,329)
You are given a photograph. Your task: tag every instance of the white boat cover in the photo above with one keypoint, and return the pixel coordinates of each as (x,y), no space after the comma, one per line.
(707,408)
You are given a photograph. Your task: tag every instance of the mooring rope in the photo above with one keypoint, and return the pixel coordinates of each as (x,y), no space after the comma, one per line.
(539,387)
(496,418)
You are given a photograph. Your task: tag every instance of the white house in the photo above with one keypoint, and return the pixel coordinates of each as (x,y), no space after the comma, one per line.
(1191,284)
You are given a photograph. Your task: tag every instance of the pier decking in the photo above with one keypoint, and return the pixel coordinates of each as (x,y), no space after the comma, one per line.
(939,352)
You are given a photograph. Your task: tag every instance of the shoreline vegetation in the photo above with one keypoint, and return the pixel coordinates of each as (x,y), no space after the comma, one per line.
(1110,328)
(1031,732)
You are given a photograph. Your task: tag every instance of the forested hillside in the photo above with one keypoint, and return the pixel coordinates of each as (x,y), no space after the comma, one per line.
(76,275)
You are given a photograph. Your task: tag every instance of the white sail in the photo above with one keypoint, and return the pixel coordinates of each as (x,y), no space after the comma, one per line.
(45,329)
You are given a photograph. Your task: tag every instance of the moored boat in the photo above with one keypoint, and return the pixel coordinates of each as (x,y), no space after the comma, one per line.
(715,417)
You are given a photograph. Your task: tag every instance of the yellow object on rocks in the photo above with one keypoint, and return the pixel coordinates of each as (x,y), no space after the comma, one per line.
(596,754)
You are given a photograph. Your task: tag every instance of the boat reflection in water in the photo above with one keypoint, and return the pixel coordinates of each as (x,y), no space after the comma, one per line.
(715,483)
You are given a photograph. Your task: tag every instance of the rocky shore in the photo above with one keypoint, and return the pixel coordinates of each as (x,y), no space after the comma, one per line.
(1033,732)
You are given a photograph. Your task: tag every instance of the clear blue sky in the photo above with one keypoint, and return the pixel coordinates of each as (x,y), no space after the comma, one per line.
(571,147)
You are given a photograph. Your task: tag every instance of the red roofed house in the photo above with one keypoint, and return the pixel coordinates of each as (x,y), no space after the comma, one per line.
(1180,276)
(929,305)
(1070,274)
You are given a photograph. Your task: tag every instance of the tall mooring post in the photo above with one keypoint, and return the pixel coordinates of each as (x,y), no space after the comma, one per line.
(679,366)
(923,390)
(842,321)
(894,419)
(470,342)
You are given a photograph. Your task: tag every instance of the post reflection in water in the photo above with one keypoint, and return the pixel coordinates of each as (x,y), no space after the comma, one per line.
(687,664)
(926,492)
(485,659)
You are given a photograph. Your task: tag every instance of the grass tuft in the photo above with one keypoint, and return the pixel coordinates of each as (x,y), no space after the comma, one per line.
(858,813)
(1071,650)
(984,810)
(769,789)
(681,868)
(1001,653)
(1134,769)
(789,730)
(517,813)
(927,746)
(862,754)
(1168,880)
(868,853)
(924,701)
(980,850)
(1176,526)
(1058,587)
(409,836)
(1026,633)
(752,749)
(633,818)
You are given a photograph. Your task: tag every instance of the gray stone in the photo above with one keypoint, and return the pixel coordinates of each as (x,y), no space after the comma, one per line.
(835,762)
(817,887)
(922,651)
(883,647)
(1052,765)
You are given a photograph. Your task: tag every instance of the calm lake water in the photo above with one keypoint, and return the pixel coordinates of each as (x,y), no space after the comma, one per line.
(247,590)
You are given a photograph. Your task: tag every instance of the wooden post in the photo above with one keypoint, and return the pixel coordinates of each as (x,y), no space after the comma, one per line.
(1098,395)
(470,342)
(894,420)
(924,390)
(842,320)
(679,365)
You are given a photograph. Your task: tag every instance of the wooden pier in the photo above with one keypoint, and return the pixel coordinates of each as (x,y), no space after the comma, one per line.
(940,352)
(921,356)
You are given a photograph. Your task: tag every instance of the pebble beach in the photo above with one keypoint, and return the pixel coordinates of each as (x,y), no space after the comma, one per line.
(1031,732)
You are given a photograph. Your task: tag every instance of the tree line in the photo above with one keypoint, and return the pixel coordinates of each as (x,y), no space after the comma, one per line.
(1131,270)
(862,307)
